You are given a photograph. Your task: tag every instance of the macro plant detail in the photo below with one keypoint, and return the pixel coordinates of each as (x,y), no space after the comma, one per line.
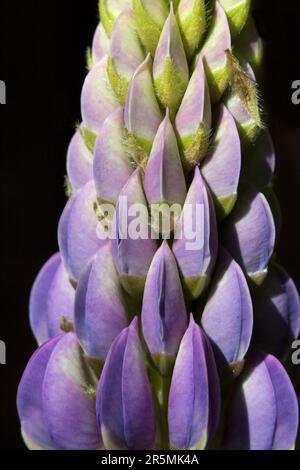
(179,340)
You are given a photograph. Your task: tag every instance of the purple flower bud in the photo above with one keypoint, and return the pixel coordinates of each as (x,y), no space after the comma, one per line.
(264,411)
(259,162)
(170,68)
(79,162)
(51,300)
(164,180)
(30,399)
(112,167)
(77,230)
(194,401)
(98,320)
(249,233)
(164,316)
(125,407)
(228,315)
(277,312)
(196,240)
(55,406)
(193,120)
(132,245)
(101,44)
(126,53)
(97,99)
(142,114)
(221,169)
(213,52)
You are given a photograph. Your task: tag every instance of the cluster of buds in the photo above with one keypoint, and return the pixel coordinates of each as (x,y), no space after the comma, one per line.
(166,339)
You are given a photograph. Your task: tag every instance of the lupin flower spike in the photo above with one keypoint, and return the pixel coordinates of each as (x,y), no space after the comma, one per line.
(171,156)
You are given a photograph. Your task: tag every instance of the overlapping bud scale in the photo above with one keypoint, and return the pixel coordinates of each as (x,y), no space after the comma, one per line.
(157,336)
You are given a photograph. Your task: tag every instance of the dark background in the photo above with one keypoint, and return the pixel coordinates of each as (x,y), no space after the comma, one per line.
(42,61)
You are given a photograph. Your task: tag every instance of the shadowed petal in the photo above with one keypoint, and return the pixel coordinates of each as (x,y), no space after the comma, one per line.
(150,17)
(192,20)
(277,312)
(100,312)
(264,411)
(110,10)
(124,401)
(249,233)
(259,162)
(221,169)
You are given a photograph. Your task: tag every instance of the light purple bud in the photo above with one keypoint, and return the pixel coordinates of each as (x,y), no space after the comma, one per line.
(77,230)
(196,240)
(112,167)
(142,114)
(97,99)
(98,319)
(51,300)
(79,162)
(194,400)
(132,245)
(30,399)
(263,414)
(164,180)
(54,405)
(164,316)
(228,314)
(100,44)
(125,407)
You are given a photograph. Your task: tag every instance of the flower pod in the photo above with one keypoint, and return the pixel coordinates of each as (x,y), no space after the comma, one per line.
(79,162)
(125,408)
(98,321)
(196,241)
(100,47)
(51,303)
(237,12)
(192,21)
(54,404)
(164,316)
(150,18)
(194,400)
(221,168)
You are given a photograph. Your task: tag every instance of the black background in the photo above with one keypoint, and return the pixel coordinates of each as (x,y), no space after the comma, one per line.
(43,46)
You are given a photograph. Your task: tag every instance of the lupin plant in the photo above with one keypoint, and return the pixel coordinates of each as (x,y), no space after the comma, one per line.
(176,340)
